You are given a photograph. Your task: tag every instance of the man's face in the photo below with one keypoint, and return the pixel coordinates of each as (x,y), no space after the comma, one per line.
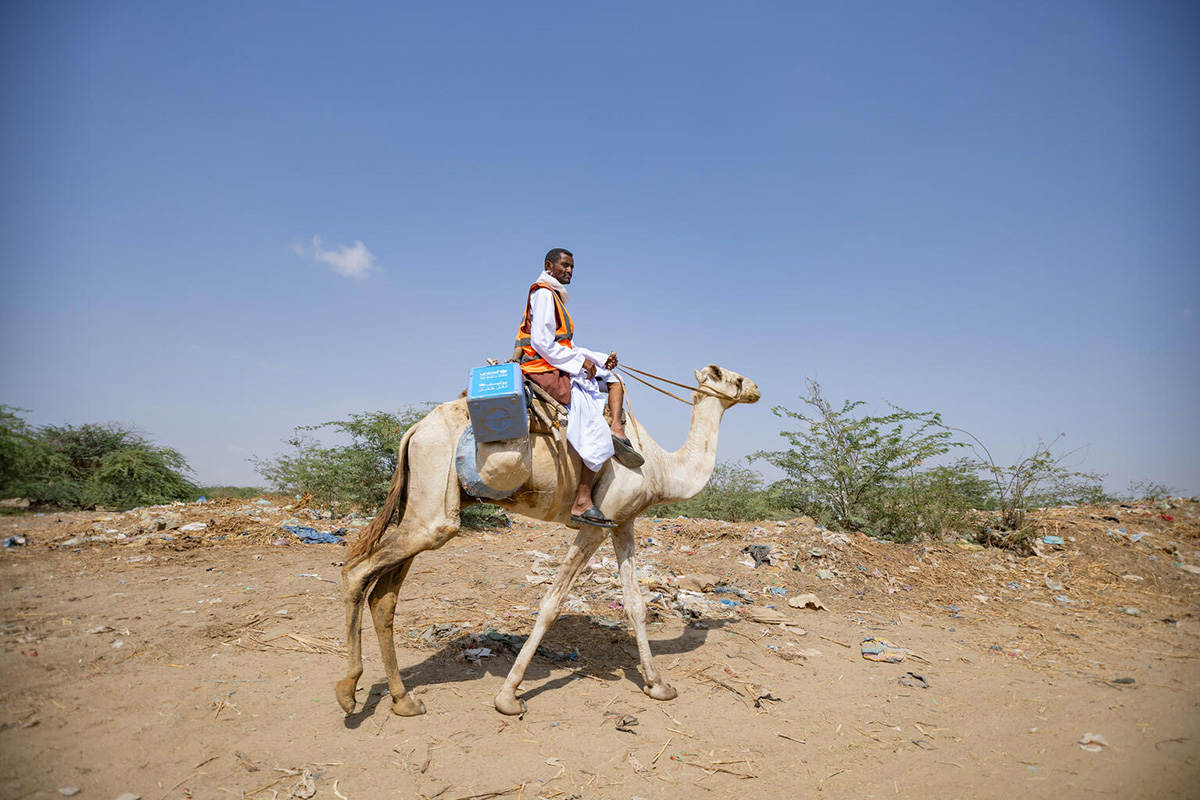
(562,270)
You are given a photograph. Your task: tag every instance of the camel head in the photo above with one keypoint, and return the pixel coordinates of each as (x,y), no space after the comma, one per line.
(730,387)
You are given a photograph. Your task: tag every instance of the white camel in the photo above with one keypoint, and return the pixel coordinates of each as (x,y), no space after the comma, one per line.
(426,492)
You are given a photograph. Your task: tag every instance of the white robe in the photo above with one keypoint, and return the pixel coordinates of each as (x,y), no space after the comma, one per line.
(587,431)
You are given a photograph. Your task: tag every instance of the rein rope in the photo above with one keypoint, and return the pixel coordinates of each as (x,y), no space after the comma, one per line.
(701,389)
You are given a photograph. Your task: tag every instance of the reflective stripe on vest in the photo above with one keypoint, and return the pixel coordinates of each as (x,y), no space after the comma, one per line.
(563,333)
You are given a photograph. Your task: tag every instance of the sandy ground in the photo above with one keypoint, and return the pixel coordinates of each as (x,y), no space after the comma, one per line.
(171,664)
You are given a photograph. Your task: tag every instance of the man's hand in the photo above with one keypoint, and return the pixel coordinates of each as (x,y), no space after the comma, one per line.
(589,367)
(612,361)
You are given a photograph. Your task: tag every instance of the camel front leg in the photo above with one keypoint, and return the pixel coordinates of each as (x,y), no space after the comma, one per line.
(635,607)
(382,602)
(586,542)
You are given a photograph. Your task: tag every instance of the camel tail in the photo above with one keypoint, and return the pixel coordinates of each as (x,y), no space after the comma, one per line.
(369,539)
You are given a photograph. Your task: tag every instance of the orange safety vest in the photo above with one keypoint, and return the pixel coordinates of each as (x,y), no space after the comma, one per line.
(564,331)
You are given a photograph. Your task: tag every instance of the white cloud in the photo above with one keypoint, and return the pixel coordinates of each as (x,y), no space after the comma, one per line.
(355,261)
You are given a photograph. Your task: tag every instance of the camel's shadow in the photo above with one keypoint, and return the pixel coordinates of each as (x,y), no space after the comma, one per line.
(606,654)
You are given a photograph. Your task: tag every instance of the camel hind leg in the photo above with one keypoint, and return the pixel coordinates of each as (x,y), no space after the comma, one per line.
(429,519)
(382,602)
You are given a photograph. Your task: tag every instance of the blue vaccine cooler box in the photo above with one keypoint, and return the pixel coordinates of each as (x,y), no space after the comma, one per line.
(496,403)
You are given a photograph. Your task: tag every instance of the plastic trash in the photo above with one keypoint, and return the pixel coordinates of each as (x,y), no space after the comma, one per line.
(15,541)
(882,650)
(1053,540)
(700,582)
(761,553)
(313,536)
(1092,742)
(807,601)
(912,679)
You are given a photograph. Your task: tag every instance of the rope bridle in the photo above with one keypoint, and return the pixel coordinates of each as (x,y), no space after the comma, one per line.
(701,389)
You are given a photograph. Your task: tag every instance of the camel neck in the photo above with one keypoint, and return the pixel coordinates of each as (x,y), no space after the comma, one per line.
(689,468)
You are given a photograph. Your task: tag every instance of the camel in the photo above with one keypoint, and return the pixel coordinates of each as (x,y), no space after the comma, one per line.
(426,493)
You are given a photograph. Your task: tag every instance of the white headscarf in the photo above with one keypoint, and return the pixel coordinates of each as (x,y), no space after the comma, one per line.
(546,279)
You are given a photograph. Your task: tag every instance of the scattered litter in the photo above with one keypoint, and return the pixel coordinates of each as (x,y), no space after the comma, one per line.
(1189,568)
(882,650)
(474,654)
(69,791)
(101,629)
(766,616)
(314,536)
(305,788)
(129,796)
(15,541)
(1136,537)
(1057,540)
(824,574)
(514,643)
(1053,585)
(807,601)
(912,679)
(769,554)
(762,694)
(963,544)
(1062,598)
(1092,742)
(778,591)
(1134,578)
(1131,611)
(574,605)
(1124,681)
(193,526)
(626,723)
(700,582)
(440,630)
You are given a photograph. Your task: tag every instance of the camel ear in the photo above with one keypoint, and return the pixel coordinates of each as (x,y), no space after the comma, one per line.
(699,378)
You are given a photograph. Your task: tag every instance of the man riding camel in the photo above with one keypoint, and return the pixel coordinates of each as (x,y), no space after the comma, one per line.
(577,378)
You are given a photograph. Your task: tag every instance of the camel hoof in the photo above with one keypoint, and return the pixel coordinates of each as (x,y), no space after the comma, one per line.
(661,691)
(408,706)
(345,689)
(508,703)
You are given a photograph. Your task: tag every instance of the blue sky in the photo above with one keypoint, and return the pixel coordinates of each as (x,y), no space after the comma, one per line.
(987,210)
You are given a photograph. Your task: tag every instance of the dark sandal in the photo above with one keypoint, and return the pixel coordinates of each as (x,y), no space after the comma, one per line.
(625,455)
(594,518)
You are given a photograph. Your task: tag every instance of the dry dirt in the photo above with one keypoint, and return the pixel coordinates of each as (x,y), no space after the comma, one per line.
(172,664)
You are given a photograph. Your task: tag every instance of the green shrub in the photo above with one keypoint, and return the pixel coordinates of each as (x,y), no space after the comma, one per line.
(230,492)
(348,476)
(861,472)
(735,493)
(86,466)
(1042,479)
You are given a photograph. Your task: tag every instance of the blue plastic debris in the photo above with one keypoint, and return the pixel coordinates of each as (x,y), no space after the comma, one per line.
(1052,540)
(728,603)
(314,536)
